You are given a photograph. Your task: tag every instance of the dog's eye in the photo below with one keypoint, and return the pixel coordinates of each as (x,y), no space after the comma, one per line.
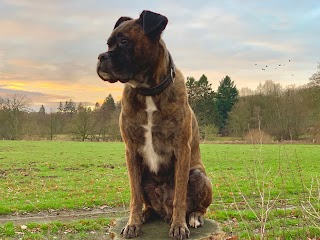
(124,41)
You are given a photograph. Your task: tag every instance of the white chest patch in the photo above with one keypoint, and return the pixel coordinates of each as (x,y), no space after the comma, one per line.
(151,158)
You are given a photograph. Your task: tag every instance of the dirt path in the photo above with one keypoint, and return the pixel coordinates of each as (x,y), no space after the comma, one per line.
(63,215)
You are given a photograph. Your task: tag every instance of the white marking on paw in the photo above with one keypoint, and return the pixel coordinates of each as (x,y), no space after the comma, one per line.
(193,222)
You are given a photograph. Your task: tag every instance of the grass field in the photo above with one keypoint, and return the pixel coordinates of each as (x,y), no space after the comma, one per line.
(269,191)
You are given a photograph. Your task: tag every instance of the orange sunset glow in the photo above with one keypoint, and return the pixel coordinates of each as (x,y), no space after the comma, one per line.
(49,52)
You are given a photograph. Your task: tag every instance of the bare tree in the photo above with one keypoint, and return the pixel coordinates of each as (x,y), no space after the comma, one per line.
(52,124)
(84,122)
(14,107)
(315,78)
(269,88)
(246,92)
(281,112)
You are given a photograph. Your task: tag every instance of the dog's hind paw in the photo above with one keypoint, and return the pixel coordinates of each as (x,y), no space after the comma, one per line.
(196,219)
(148,214)
(131,231)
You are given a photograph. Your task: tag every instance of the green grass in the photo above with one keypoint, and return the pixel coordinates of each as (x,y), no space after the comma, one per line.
(61,175)
(247,181)
(81,229)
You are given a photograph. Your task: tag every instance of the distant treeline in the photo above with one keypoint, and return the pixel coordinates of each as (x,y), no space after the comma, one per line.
(71,121)
(289,113)
(270,112)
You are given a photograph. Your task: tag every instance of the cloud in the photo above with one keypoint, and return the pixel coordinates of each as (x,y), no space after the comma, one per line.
(36,99)
(53,46)
(50,101)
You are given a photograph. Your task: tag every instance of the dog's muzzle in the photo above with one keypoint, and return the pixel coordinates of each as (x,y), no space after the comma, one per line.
(103,75)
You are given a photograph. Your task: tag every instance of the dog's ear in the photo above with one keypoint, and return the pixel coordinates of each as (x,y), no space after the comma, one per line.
(121,20)
(152,23)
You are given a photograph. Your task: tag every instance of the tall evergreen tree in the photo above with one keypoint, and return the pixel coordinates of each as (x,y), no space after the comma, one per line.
(227,96)
(60,108)
(96,106)
(42,110)
(70,107)
(109,104)
(201,98)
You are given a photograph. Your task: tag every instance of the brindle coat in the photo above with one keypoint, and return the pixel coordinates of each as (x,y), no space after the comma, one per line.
(161,196)
(160,132)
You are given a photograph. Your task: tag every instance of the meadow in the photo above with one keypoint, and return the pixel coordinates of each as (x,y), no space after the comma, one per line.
(259,191)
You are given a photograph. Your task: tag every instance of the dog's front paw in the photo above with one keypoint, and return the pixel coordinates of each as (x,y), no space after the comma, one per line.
(179,231)
(131,231)
(196,219)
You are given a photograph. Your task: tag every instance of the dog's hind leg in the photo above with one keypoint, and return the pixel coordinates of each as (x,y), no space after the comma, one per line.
(199,197)
(148,213)
(152,205)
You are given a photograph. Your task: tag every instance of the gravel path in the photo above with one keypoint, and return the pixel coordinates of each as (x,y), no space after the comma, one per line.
(63,215)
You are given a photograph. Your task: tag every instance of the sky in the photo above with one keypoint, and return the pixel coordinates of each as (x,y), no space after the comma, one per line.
(49,49)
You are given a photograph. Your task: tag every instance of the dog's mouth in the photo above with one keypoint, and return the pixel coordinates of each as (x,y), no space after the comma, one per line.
(107,77)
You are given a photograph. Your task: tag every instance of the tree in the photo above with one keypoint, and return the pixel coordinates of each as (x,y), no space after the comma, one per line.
(84,122)
(191,89)
(282,113)
(239,117)
(227,96)
(269,88)
(201,98)
(60,108)
(315,78)
(13,108)
(96,106)
(41,122)
(294,113)
(246,92)
(70,107)
(107,116)
(42,110)
(109,104)
(270,114)
(52,124)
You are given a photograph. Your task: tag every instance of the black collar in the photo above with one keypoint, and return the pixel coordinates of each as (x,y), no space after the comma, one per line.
(163,85)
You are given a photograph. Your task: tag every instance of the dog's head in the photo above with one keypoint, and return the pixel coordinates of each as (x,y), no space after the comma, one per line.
(132,49)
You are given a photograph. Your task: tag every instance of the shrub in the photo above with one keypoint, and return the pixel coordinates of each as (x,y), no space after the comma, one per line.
(257,136)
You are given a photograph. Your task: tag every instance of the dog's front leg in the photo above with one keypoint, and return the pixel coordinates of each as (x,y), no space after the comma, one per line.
(133,227)
(179,228)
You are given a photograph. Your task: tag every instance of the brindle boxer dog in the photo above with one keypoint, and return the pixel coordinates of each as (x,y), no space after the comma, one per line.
(158,127)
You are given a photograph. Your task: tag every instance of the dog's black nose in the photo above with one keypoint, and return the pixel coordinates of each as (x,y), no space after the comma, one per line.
(102,56)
